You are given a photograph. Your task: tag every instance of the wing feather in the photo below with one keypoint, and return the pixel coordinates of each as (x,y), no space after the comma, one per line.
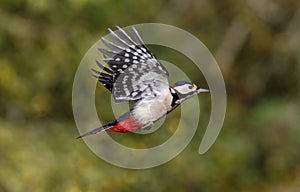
(132,72)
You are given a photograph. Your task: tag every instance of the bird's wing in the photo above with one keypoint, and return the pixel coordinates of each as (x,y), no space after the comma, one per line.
(132,71)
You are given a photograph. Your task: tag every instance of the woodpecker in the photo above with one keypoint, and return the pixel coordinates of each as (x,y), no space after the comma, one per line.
(133,74)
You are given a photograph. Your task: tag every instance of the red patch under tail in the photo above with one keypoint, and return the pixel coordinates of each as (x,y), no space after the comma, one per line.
(128,125)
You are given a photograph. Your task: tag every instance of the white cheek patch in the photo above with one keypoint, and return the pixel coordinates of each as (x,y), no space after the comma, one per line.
(184,89)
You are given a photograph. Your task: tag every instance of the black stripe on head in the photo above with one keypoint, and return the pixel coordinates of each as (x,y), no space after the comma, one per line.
(175,97)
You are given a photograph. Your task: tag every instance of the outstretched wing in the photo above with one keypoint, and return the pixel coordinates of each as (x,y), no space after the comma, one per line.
(132,71)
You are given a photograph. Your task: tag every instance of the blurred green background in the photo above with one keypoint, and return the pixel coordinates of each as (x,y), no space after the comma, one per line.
(255,42)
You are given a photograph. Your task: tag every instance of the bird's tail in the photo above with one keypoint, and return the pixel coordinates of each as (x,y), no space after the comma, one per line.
(97,130)
(107,126)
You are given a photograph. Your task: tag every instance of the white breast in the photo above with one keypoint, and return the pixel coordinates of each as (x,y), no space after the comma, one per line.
(146,111)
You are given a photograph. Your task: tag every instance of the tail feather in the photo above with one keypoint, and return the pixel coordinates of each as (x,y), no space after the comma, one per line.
(97,130)
(113,124)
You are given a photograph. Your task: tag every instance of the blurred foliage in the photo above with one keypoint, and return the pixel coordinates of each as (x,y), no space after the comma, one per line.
(256,44)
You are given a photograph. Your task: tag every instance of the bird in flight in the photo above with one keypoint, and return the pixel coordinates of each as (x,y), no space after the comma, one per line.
(133,74)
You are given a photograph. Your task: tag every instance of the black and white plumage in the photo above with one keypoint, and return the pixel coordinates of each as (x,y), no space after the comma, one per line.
(133,74)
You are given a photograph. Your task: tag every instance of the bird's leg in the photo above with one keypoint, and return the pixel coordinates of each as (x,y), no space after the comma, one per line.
(147,126)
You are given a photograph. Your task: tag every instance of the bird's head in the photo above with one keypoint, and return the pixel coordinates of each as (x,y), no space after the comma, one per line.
(185,90)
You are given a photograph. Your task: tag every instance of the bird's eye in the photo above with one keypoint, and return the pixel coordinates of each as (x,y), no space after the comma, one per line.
(190,87)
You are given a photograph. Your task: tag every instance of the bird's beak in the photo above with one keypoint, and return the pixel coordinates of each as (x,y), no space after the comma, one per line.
(202,90)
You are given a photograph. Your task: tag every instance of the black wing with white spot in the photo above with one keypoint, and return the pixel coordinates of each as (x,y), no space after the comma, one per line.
(132,71)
